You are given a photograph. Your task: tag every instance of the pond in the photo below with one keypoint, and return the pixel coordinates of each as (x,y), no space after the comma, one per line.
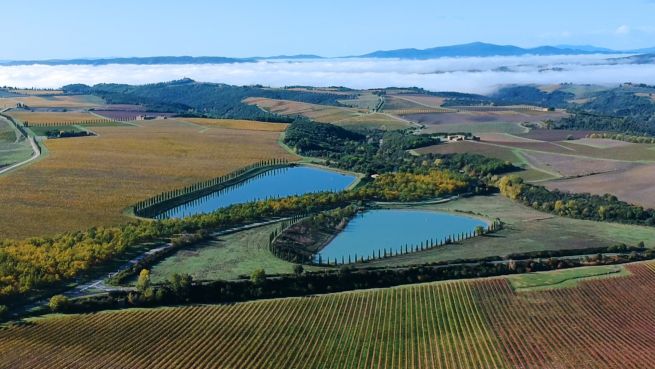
(372,232)
(275,183)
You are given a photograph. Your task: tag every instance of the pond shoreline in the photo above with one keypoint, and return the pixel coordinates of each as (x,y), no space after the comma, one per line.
(445,227)
(268,182)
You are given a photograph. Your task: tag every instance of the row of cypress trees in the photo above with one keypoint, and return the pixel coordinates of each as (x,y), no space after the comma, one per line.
(426,245)
(143,208)
(81,123)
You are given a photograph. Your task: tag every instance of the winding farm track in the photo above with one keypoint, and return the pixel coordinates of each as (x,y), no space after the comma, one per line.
(36,150)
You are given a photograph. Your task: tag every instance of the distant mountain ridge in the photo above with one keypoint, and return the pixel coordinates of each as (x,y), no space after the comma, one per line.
(482,49)
(474,49)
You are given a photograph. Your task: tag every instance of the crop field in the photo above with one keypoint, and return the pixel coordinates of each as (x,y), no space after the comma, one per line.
(127,114)
(588,148)
(525,230)
(480,128)
(123,164)
(567,166)
(599,323)
(367,101)
(555,134)
(602,143)
(374,120)
(633,185)
(36,118)
(606,323)
(500,138)
(329,114)
(425,100)
(598,166)
(249,125)
(64,101)
(475,117)
(400,102)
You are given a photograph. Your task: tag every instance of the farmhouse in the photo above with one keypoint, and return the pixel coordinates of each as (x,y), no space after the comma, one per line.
(150,117)
(457,138)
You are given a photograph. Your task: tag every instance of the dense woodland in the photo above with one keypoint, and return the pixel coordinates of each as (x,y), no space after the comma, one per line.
(594,122)
(530,95)
(380,152)
(616,110)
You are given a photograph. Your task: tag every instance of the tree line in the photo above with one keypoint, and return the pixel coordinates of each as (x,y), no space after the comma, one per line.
(575,205)
(181,289)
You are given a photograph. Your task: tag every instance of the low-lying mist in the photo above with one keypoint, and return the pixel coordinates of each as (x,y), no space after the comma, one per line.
(466,74)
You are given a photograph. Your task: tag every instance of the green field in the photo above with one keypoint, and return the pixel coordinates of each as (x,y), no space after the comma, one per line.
(363,101)
(374,121)
(229,257)
(566,278)
(13,147)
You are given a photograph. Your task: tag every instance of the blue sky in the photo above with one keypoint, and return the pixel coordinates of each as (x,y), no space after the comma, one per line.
(43,29)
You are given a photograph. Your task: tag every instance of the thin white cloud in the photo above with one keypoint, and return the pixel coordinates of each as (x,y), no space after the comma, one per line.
(479,75)
(622,30)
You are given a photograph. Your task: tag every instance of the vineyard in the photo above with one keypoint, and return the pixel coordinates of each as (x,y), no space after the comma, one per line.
(54,118)
(601,323)
(119,167)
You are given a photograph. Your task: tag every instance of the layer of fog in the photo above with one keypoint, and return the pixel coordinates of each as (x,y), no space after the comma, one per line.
(479,75)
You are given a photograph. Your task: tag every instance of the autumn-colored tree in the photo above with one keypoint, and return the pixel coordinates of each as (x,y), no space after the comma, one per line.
(143,282)
(58,303)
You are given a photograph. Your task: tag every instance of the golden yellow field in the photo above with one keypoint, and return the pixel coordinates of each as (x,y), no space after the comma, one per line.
(51,117)
(249,125)
(320,113)
(64,101)
(342,116)
(89,181)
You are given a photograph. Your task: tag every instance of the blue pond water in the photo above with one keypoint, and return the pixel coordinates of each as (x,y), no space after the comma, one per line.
(377,230)
(275,183)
